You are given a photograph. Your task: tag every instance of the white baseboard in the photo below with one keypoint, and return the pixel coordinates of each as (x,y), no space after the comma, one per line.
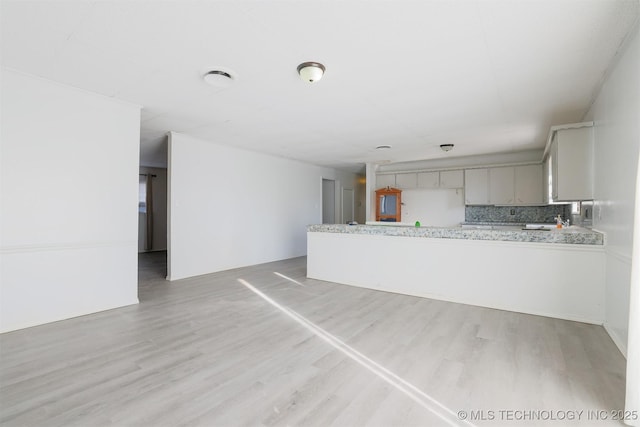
(619,342)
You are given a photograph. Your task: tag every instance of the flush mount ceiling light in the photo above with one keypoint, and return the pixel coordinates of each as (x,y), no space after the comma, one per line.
(311,71)
(446,147)
(218,78)
(383,147)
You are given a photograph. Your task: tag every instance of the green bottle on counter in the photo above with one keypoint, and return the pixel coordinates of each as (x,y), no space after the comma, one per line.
(417,223)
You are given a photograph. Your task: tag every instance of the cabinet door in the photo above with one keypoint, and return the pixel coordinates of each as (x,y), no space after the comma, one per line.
(553,167)
(574,160)
(476,186)
(529,185)
(384,181)
(501,186)
(451,179)
(428,179)
(546,181)
(406,180)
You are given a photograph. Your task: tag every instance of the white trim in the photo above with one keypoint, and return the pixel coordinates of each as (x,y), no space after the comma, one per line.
(464,162)
(85,312)
(619,342)
(627,259)
(459,168)
(75,89)
(554,129)
(65,246)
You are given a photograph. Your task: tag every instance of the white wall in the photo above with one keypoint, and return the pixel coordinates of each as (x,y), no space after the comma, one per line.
(616,113)
(370,188)
(68,216)
(230,207)
(616,116)
(159,187)
(502,275)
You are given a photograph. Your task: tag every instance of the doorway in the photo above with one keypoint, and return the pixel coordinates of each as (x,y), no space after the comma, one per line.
(152,223)
(328,201)
(348,214)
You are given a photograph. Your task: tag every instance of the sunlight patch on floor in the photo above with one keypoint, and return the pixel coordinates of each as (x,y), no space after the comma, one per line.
(411,391)
(287,278)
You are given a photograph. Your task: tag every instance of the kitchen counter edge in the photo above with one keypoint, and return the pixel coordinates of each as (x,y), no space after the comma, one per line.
(572,235)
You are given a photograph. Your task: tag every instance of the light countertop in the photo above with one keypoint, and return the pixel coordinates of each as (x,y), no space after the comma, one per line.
(513,233)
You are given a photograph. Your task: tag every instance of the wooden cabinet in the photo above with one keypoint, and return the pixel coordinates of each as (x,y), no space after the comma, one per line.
(406,181)
(451,179)
(571,161)
(476,186)
(388,204)
(501,186)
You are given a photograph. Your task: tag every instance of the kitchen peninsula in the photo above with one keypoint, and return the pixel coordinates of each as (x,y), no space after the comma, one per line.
(555,273)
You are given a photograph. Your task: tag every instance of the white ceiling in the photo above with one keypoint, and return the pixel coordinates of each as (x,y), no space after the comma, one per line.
(490,76)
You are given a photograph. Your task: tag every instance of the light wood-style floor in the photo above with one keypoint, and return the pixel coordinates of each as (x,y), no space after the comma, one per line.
(209,351)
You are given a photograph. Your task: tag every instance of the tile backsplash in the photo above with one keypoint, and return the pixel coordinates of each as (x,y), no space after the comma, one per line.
(521,214)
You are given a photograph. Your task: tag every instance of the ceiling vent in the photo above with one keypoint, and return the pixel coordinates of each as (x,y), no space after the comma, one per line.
(218,78)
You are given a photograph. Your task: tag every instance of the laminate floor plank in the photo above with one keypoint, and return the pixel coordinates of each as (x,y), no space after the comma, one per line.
(208,351)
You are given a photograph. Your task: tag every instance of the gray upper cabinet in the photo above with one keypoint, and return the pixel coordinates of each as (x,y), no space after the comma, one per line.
(452,179)
(406,181)
(501,186)
(384,181)
(442,179)
(571,164)
(476,186)
(529,185)
(412,180)
(516,185)
(428,179)
(508,185)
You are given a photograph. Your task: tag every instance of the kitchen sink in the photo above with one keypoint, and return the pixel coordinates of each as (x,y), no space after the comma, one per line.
(539,227)
(478,227)
(490,227)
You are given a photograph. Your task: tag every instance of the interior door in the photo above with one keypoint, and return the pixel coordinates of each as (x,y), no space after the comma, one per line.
(328,201)
(347,205)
